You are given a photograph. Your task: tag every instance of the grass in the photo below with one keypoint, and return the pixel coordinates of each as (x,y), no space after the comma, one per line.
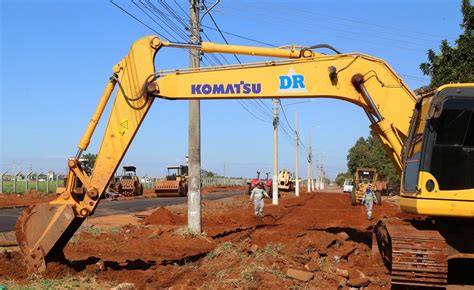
(256,262)
(184,232)
(221,249)
(270,250)
(324,264)
(114,230)
(68,282)
(94,231)
(21,186)
(221,275)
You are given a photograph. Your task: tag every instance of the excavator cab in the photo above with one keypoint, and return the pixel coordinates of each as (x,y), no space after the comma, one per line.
(439,154)
(437,181)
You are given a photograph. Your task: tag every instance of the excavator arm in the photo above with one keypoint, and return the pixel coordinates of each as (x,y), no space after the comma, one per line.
(43,230)
(357,78)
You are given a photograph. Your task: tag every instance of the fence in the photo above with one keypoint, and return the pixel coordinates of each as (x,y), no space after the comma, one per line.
(40,182)
(205,181)
(223,181)
(48,183)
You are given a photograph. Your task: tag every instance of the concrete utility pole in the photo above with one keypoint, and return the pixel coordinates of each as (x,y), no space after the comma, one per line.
(275,152)
(297,177)
(316,174)
(194,137)
(310,166)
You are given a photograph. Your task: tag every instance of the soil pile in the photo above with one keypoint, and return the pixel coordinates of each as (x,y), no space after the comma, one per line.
(318,234)
(162,216)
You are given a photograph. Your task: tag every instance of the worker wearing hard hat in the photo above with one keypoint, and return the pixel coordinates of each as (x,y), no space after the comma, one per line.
(258,194)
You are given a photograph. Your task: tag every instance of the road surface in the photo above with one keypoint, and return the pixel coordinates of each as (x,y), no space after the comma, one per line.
(9,216)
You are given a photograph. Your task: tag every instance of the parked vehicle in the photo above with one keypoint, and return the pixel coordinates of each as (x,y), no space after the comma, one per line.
(348,185)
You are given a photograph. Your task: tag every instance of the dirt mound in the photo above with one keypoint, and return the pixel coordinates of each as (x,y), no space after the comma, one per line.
(11,266)
(162,216)
(319,233)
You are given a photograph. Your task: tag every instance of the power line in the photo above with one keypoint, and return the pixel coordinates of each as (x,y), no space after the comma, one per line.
(260,104)
(159,34)
(220,32)
(227,32)
(305,27)
(397,30)
(152,19)
(251,113)
(288,123)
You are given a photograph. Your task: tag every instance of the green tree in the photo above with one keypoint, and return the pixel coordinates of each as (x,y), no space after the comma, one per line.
(88,162)
(453,63)
(341,177)
(369,153)
(208,173)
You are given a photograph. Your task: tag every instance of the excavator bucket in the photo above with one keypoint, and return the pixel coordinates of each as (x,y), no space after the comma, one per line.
(167,188)
(42,231)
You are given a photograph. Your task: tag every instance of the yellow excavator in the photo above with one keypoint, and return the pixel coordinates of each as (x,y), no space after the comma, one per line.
(429,139)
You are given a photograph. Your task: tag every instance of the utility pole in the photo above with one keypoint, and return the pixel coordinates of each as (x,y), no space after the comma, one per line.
(275,152)
(310,165)
(194,127)
(297,177)
(316,175)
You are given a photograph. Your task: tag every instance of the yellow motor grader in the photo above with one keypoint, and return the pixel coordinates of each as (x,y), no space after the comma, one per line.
(364,178)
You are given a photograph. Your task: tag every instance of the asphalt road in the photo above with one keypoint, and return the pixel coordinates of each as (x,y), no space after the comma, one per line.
(9,216)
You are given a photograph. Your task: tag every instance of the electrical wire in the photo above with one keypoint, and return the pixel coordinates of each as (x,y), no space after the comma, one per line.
(306,25)
(288,123)
(226,32)
(434,38)
(171,36)
(220,32)
(131,15)
(258,102)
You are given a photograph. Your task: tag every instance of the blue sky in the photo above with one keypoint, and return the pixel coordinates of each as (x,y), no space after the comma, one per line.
(56,57)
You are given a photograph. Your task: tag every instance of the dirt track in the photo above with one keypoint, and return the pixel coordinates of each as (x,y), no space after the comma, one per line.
(235,250)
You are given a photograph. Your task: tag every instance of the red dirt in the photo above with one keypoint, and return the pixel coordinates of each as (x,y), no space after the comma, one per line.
(210,189)
(24,199)
(164,217)
(236,249)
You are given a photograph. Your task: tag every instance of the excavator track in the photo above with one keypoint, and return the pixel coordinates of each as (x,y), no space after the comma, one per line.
(415,257)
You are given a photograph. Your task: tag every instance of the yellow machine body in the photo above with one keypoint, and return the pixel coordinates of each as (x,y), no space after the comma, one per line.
(363,80)
(285,182)
(364,178)
(175,184)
